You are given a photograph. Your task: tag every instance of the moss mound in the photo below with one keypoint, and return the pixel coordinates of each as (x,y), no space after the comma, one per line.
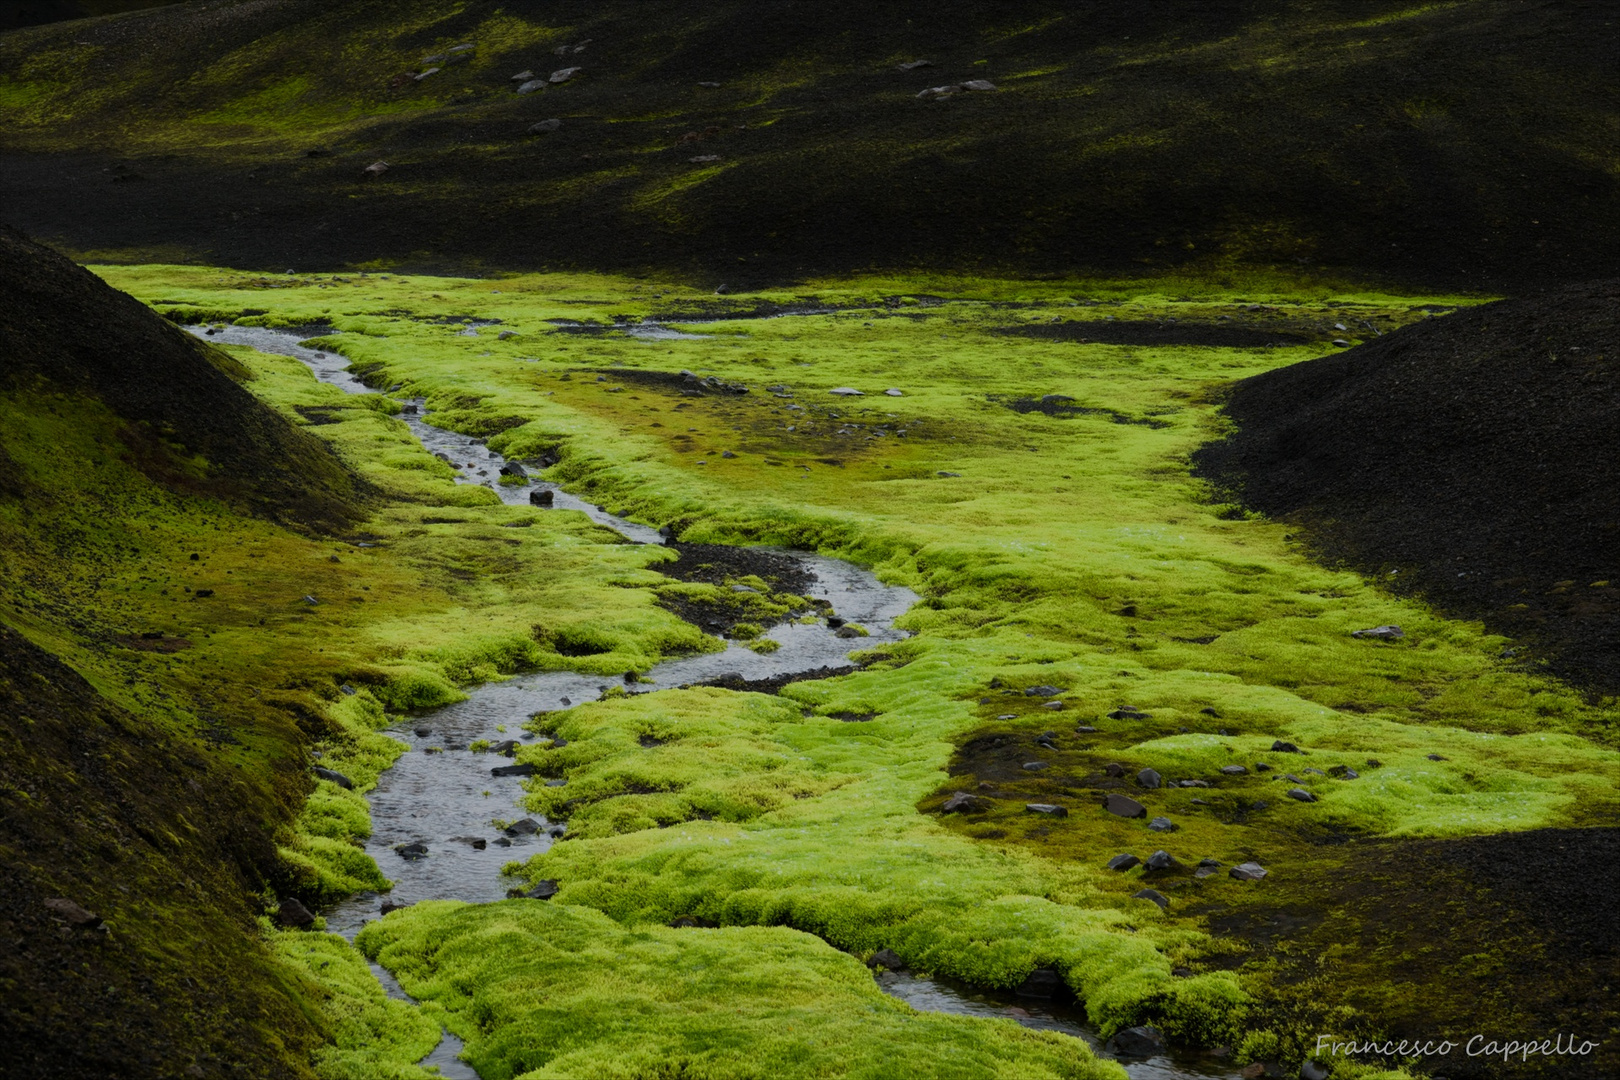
(190,426)
(1473,458)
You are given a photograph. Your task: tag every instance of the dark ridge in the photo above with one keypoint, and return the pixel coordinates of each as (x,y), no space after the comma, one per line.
(97,809)
(1119,332)
(775,683)
(1441,146)
(64,326)
(685,382)
(1064,407)
(1473,458)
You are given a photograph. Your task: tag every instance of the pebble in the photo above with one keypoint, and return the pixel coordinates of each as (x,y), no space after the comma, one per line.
(1042,691)
(1162,824)
(1436,757)
(1249,871)
(1123,862)
(429,71)
(1048,809)
(504,334)
(523,827)
(1155,896)
(1341,343)
(375,169)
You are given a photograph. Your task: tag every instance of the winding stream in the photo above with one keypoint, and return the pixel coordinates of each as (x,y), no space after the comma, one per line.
(442,794)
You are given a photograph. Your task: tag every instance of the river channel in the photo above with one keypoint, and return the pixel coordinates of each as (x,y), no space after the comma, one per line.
(442,794)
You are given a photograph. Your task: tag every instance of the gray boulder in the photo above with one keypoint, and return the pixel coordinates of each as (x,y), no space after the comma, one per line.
(1149,778)
(1123,862)
(1249,871)
(1048,809)
(1137,1042)
(1155,896)
(1124,806)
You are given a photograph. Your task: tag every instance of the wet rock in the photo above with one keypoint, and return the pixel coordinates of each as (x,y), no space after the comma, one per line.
(1123,806)
(1142,1041)
(1036,766)
(523,827)
(423,732)
(501,841)
(1048,809)
(512,468)
(1249,871)
(1123,862)
(545,127)
(1234,770)
(294,915)
(887,958)
(1114,768)
(1281,747)
(1046,741)
(1154,895)
(477,843)
(547,497)
(412,851)
(556,831)
(335,777)
(509,747)
(1316,772)
(389,906)
(543,890)
(1313,1071)
(1301,795)
(1042,691)
(834,621)
(1380,633)
(1195,783)
(1162,824)
(962,803)
(562,75)
(1149,778)
(847,632)
(514,770)
(1042,983)
(72,913)
(1163,860)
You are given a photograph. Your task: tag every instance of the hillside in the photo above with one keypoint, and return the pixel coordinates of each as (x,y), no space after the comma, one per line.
(1474,459)
(1450,145)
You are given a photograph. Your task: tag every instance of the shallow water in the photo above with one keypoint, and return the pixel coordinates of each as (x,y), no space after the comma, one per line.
(442,794)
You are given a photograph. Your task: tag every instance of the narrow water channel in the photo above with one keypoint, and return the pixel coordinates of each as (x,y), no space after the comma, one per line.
(442,794)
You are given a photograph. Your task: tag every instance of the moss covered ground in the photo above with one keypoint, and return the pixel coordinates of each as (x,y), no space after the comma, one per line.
(1059,543)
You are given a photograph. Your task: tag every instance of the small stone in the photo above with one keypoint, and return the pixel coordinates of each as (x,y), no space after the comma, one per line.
(523,827)
(1344,772)
(422,732)
(523,76)
(1249,871)
(1205,871)
(1085,729)
(1280,747)
(548,497)
(543,890)
(512,468)
(76,915)
(1055,706)
(564,74)
(1162,824)
(556,783)
(1046,808)
(847,632)
(335,777)
(429,71)
(1259,804)
(530,87)
(1262,767)
(1137,1042)
(1042,691)
(1007,716)
(1163,860)
(1301,795)
(1042,983)
(1312,1071)
(504,334)
(1317,772)
(942,472)
(1436,757)
(1380,633)
(508,747)
(1195,783)
(1114,768)
(388,906)
(412,851)
(727,454)
(962,803)
(308,600)
(1234,770)
(1149,778)
(979,85)
(891,392)
(846,391)
(1153,895)
(887,958)
(1209,710)
(545,127)
(1124,806)
(1123,862)
(913,65)
(1374,763)
(292,914)
(1341,343)
(525,769)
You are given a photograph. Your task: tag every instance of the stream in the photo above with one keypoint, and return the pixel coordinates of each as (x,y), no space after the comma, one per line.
(441,794)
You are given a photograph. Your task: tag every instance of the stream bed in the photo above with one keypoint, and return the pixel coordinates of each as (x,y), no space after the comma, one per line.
(442,794)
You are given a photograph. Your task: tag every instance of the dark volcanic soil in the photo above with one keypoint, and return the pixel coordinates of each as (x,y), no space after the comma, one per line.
(61,324)
(1474,458)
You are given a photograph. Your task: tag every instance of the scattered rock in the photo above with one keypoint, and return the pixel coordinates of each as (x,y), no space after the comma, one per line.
(1234,770)
(887,958)
(523,827)
(1280,747)
(1162,824)
(962,803)
(1195,783)
(1249,871)
(1042,691)
(512,468)
(1205,871)
(1436,757)
(523,76)
(1046,808)
(1124,806)
(1114,768)
(545,127)
(933,93)
(1042,983)
(892,392)
(509,747)
(1036,766)
(1301,795)
(1374,763)
(530,87)
(505,334)
(913,65)
(1209,862)
(1085,729)
(847,632)
(1163,860)
(1209,710)
(72,913)
(1380,633)
(1149,778)
(1125,712)
(514,770)
(308,600)
(293,915)
(425,74)
(412,851)
(1153,895)
(423,732)
(942,472)
(1137,1042)
(727,454)
(542,498)
(564,74)
(389,906)
(202,593)
(846,391)
(1123,862)
(980,85)
(556,783)
(703,159)
(335,777)
(1262,767)
(1313,1071)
